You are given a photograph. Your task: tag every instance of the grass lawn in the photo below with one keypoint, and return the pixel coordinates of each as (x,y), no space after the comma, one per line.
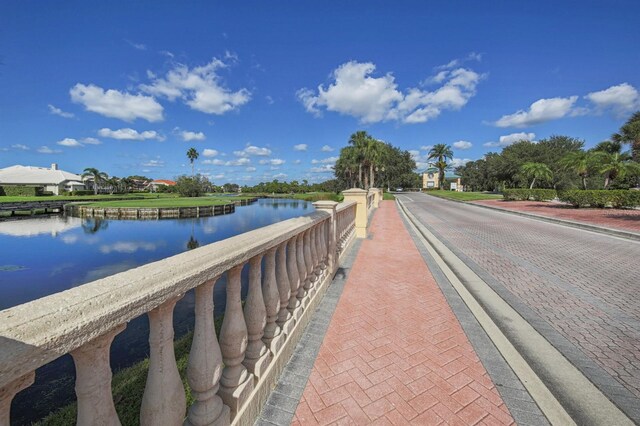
(464,196)
(167,202)
(12,199)
(388,196)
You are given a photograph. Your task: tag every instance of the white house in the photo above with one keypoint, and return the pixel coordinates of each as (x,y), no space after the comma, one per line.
(49,179)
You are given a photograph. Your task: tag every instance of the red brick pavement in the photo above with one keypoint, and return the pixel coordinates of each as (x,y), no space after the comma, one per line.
(626,220)
(394,352)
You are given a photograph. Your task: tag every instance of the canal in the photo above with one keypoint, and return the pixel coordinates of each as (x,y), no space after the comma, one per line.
(47,255)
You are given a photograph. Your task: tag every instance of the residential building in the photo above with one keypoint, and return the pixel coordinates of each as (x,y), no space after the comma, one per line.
(50,179)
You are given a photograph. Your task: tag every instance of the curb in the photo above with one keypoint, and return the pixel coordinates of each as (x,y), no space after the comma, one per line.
(580,225)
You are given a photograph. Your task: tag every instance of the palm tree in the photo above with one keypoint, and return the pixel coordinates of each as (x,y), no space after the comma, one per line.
(616,165)
(97,176)
(359,140)
(373,156)
(630,133)
(538,171)
(347,165)
(441,153)
(580,163)
(192,155)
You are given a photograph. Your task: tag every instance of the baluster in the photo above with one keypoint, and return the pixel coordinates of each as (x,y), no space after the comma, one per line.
(284,289)
(257,356)
(328,236)
(93,381)
(273,336)
(302,270)
(294,279)
(236,383)
(308,282)
(163,401)
(322,247)
(8,391)
(315,264)
(205,364)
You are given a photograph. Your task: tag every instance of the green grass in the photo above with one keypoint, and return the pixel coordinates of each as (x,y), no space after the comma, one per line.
(166,202)
(464,196)
(11,199)
(388,196)
(309,196)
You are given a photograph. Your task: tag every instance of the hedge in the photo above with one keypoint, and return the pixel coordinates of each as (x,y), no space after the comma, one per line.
(21,191)
(522,194)
(619,198)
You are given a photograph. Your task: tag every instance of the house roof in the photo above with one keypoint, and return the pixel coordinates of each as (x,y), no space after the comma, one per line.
(164,182)
(29,175)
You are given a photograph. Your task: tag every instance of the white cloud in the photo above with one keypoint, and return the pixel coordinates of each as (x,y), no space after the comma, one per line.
(426,147)
(69,142)
(280,176)
(207,152)
(509,139)
(238,162)
(540,111)
(188,136)
(300,147)
(130,134)
(153,163)
(115,104)
(297,161)
(273,161)
(622,98)
(214,162)
(57,111)
(328,168)
(250,169)
(454,63)
(46,150)
(330,160)
(91,141)
(457,162)
(137,46)
(199,87)
(253,150)
(326,148)
(270,100)
(374,99)
(20,147)
(462,145)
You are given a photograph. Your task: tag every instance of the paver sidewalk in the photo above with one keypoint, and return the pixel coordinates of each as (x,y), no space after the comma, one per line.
(625,220)
(394,352)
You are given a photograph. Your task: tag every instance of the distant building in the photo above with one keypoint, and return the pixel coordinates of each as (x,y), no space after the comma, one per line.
(48,179)
(155,184)
(430,179)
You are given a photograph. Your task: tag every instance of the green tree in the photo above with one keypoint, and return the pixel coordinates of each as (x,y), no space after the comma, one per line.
(615,166)
(192,155)
(192,186)
(97,176)
(630,133)
(347,166)
(580,163)
(441,153)
(537,171)
(359,140)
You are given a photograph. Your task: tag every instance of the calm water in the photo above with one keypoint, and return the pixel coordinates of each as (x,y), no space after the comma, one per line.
(42,256)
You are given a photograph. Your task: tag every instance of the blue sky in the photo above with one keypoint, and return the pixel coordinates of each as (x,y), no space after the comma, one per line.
(268,90)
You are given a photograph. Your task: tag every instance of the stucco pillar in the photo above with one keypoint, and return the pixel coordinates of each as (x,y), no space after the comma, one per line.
(330,207)
(376,197)
(359,196)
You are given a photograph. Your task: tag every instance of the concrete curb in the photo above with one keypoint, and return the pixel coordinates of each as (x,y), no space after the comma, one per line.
(580,225)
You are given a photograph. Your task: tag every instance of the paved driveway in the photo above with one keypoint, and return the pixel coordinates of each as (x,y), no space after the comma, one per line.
(579,289)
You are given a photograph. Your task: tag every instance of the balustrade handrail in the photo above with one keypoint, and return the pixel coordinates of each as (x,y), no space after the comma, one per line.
(345,205)
(36,333)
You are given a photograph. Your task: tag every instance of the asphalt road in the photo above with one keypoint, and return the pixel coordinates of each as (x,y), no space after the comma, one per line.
(579,289)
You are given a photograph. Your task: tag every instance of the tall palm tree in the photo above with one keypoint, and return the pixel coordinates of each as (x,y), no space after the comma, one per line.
(373,156)
(538,171)
(359,140)
(192,155)
(630,133)
(97,175)
(614,166)
(347,165)
(441,153)
(580,163)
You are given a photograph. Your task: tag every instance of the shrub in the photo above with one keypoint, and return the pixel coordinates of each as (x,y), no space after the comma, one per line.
(523,194)
(2,191)
(22,191)
(192,186)
(83,192)
(601,198)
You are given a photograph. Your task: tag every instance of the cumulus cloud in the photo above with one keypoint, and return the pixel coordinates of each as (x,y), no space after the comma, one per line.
(252,150)
(509,139)
(20,146)
(457,162)
(199,87)
(188,136)
(57,111)
(115,104)
(328,168)
(91,141)
(280,176)
(69,142)
(300,147)
(426,147)
(330,160)
(621,99)
(355,92)
(462,145)
(540,111)
(46,150)
(207,152)
(130,134)
(326,148)
(273,161)
(243,161)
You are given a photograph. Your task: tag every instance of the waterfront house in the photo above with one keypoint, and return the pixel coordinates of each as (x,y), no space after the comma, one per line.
(155,184)
(50,179)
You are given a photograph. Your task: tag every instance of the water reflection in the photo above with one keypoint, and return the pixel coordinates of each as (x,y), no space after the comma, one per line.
(61,253)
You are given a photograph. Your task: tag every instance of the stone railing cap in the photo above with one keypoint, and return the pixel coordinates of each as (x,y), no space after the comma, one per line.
(354,191)
(325,204)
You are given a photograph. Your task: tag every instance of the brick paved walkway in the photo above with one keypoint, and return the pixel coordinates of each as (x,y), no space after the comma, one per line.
(626,220)
(394,352)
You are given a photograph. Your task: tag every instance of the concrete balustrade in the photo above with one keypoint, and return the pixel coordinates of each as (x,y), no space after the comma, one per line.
(290,266)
